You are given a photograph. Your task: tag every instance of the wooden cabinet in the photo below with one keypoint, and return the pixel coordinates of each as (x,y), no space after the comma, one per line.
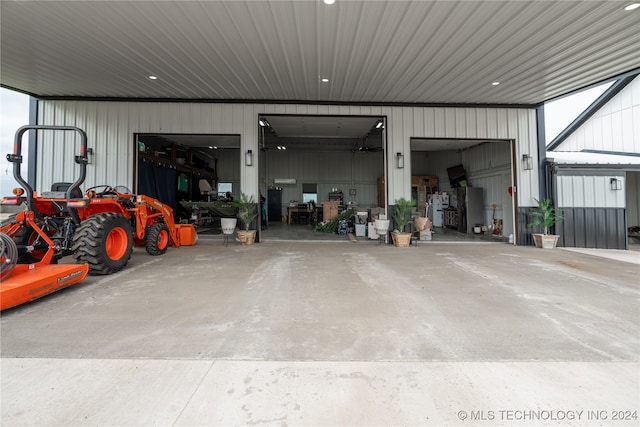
(450,218)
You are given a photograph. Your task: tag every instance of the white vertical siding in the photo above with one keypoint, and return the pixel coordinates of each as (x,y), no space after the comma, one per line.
(489,123)
(110,127)
(586,191)
(615,127)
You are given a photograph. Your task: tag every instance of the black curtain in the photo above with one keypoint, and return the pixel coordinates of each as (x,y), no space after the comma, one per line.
(158,181)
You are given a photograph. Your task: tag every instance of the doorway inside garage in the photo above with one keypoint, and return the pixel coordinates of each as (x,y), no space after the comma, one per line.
(198,175)
(465,187)
(315,168)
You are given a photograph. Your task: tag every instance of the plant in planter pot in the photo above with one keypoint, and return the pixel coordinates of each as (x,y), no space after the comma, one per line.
(247,212)
(545,216)
(402,217)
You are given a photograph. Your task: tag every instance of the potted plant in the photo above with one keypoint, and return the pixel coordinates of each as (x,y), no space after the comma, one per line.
(545,216)
(247,212)
(402,217)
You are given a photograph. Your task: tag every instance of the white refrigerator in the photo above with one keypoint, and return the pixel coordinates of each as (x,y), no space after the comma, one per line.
(435,209)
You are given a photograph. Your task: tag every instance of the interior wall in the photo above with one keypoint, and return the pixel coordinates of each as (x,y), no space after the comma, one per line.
(488,166)
(228,168)
(344,170)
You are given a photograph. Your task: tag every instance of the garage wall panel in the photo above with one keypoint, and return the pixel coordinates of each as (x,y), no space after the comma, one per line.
(588,227)
(111,125)
(582,191)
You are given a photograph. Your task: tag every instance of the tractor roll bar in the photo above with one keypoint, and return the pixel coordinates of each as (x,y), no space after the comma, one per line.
(16,159)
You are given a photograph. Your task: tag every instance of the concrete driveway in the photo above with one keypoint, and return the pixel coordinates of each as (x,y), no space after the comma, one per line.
(332,334)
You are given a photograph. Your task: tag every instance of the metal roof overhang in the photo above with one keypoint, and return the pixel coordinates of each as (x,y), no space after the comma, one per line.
(382,52)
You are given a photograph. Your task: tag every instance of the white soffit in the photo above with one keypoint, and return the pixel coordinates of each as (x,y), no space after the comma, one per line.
(371,51)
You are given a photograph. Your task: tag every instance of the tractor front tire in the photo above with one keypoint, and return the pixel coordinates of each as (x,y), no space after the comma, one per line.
(104,241)
(158,238)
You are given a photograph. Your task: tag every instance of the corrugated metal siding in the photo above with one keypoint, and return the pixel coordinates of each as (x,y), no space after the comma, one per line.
(524,231)
(603,228)
(584,191)
(375,51)
(485,123)
(110,127)
(615,127)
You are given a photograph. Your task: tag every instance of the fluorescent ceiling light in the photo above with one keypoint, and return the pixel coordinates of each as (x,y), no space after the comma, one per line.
(329,1)
(325,80)
(632,6)
(153,78)
(496,83)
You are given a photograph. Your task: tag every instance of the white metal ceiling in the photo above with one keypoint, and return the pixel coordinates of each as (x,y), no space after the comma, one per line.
(371,51)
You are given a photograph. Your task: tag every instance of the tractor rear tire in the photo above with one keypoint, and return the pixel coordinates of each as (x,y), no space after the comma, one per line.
(104,241)
(158,238)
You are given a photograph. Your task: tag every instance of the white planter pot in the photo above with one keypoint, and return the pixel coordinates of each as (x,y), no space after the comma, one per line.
(228,225)
(382,226)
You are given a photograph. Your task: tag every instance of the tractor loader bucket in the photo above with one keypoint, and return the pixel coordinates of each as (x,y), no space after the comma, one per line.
(27,284)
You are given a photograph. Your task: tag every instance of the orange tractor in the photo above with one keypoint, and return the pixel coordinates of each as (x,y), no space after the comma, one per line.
(98,228)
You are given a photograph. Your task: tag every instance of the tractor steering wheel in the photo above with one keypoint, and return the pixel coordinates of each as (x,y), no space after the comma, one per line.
(106,189)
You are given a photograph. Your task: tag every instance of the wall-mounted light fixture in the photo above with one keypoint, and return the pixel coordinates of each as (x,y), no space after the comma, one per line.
(399,160)
(616,184)
(527,162)
(248,158)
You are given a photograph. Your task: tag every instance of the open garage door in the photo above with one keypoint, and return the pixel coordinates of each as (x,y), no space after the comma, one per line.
(313,168)
(472,198)
(183,170)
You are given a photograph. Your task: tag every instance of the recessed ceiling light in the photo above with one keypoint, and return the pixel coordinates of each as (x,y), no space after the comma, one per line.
(153,78)
(632,6)
(329,1)
(495,83)
(325,80)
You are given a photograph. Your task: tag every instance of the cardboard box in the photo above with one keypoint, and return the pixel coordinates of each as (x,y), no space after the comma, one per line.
(426,235)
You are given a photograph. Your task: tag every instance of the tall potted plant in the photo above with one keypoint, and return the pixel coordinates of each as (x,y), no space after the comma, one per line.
(545,216)
(402,217)
(247,212)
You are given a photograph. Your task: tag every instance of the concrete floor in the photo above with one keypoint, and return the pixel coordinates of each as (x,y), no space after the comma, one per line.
(332,334)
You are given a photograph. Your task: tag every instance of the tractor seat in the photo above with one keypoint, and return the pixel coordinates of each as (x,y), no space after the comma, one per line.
(59,191)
